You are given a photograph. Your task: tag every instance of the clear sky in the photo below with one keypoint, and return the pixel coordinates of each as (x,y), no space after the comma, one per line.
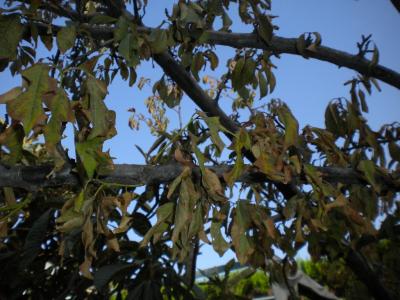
(305,85)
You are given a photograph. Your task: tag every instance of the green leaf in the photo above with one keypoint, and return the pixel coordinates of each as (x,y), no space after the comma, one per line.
(102,19)
(369,169)
(88,152)
(13,138)
(103,120)
(61,111)
(265,28)
(196,223)
(66,38)
(215,126)
(128,49)
(291,125)
(33,241)
(237,74)
(164,216)
(226,21)
(242,214)
(263,85)
(11,32)
(121,29)
(78,202)
(218,242)
(27,107)
(158,39)
(197,64)
(104,274)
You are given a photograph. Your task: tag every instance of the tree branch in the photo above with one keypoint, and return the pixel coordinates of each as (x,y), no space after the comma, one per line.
(35,177)
(278,45)
(396,4)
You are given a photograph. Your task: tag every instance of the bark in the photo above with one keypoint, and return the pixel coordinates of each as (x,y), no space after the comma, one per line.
(32,178)
(278,45)
(396,4)
(366,275)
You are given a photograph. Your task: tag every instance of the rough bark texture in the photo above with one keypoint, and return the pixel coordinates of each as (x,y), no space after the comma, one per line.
(36,177)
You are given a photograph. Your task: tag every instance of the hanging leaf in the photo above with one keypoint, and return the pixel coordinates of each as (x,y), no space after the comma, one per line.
(121,29)
(104,274)
(33,241)
(61,111)
(28,107)
(291,125)
(66,38)
(215,126)
(218,242)
(103,119)
(91,155)
(263,85)
(128,49)
(11,32)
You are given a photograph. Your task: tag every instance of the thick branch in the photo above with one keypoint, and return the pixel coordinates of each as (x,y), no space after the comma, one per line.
(396,4)
(365,274)
(35,177)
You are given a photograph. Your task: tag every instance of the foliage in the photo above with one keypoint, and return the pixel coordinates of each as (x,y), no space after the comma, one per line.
(244,284)
(327,188)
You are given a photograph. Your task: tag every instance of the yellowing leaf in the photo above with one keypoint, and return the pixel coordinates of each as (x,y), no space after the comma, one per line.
(291,125)
(11,32)
(218,242)
(66,38)
(369,170)
(214,126)
(27,107)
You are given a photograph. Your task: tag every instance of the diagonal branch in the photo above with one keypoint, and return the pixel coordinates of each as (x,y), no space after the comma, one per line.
(396,4)
(189,85)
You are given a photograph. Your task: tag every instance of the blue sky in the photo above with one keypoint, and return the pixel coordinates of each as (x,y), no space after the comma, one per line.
(305,85)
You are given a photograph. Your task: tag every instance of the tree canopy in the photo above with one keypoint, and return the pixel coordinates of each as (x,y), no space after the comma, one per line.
(67,219)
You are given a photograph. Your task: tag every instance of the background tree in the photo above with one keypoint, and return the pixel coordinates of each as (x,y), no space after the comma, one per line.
(65,217)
